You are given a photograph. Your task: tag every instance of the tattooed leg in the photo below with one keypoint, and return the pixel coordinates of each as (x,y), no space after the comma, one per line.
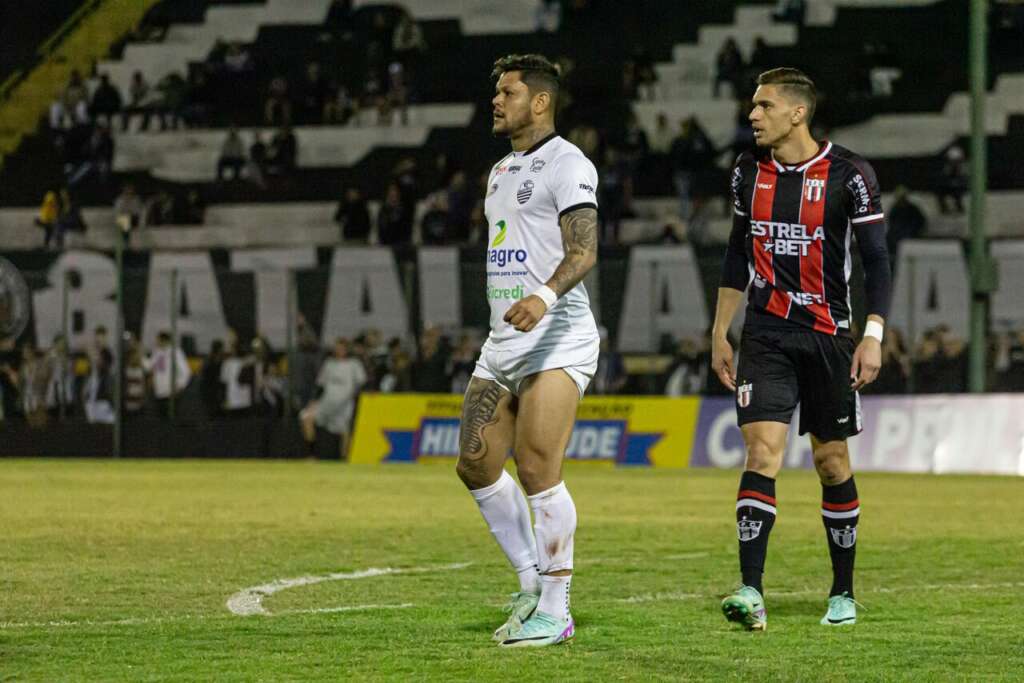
(486,434)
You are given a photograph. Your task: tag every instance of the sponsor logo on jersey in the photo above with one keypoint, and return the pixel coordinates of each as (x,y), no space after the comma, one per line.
(844,538)
(524,192)
(502,229)
(787,239)
(503,257)
(537,165)
(586,188)
(748,529)
(514,169)
(805,298)
(764,186)
(859,189)
(514,293)
(494,188)
(814,189)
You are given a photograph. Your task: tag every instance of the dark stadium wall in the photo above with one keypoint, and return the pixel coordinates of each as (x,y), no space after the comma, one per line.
(25,25)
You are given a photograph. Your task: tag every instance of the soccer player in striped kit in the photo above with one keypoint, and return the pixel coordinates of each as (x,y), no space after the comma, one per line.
(797,204)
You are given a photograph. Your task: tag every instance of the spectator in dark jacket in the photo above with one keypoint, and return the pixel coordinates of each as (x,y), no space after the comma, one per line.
(353,217)
(106,101)
(394,222)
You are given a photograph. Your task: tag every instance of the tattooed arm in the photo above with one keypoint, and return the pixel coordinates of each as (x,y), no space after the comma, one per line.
(579,240)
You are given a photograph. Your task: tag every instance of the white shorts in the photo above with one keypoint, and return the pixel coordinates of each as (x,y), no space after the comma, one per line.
(510,367)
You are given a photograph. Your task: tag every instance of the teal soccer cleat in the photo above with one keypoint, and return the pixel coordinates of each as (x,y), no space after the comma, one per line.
(520,607)
(746,607)
(541,629)
(842,610)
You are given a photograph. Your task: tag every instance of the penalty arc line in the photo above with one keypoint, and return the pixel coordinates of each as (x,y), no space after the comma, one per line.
(249,601)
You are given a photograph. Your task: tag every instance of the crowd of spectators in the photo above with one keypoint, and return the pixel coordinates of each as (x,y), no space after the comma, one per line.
(239,378)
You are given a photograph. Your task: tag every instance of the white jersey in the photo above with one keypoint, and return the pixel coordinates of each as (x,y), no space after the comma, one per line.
(527,194)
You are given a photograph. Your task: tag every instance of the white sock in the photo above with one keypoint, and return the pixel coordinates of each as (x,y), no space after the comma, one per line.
(554,598)
(504,508)
(555,523)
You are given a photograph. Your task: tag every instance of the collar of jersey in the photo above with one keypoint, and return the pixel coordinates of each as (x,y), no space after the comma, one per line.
(537,145)
(802,166)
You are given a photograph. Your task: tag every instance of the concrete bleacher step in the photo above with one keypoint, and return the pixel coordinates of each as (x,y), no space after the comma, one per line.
(692,67)
(191,155)
(823,12)
(479,17)
(193,42)
(906,135)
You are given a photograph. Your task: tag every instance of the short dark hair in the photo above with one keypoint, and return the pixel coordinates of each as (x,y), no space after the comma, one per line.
(794,83)
(538,73)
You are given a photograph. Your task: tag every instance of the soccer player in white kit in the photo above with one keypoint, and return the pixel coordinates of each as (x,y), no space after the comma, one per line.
(541,352)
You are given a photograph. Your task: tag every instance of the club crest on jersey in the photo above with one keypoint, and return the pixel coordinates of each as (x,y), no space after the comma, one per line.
(844,538)
(814,189)
(748,529)
(743,394)
(525,191)
(537,165)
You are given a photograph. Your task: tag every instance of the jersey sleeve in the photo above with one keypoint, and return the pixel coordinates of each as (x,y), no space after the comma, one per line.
(863,196)
(736,271)
(864,202)
(573,183)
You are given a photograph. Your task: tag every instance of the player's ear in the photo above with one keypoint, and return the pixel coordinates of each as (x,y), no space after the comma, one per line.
(799,114)
(541,102)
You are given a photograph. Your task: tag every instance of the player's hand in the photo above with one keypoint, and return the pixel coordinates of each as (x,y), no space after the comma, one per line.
(867,361)
(526,313)
(721,362)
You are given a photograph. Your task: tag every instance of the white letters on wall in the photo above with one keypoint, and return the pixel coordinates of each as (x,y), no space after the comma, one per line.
(196,285)
(91,293)
(1007,302)
(440,303)
(364,291)
(271,269)
(664,295)
(931,288)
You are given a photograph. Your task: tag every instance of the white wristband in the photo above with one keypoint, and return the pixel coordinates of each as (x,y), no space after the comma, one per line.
(547,295)
(873,328)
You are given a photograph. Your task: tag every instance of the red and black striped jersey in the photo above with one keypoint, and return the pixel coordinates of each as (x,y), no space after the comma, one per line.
(797,223)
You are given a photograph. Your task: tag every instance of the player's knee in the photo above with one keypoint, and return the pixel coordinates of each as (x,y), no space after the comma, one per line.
(475,474)
(763,456)
(832,461)
(534,470)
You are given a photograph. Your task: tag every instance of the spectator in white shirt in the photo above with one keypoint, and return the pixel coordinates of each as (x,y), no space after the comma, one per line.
(340,379)
(159,365)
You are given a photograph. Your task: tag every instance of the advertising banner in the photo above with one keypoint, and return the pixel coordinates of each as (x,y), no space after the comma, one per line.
(406,428)
(938,434)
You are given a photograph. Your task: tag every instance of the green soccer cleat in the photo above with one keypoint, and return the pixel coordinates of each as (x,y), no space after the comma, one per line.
(746,607)
(842,610)
(519,608)
(539,630)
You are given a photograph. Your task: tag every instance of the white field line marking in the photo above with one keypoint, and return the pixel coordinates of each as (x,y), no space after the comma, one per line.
(636,599)
(267,589)
(249,601)
(343,608)
(141,621)
(678,596)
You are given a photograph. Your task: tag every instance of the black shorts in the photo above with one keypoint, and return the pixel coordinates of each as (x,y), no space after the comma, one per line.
(780,367)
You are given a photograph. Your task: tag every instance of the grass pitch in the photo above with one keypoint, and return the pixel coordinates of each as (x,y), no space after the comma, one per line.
(122,571)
